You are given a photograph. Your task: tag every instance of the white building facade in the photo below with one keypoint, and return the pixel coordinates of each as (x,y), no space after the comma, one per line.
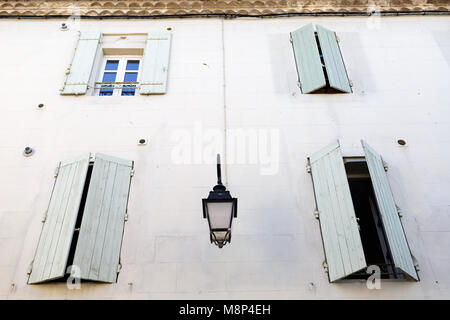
(228,86)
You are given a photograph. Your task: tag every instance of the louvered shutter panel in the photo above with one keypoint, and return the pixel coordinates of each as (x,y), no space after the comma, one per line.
(82,64)
(156,63)
(342,242)
(334,63)
(389,214)
(307,59)
(56,236)
(98,249)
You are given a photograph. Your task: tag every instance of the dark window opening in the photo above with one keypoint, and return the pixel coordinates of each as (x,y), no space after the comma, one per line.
(371,229)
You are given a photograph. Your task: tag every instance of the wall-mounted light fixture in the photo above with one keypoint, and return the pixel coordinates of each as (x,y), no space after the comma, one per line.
(220,209)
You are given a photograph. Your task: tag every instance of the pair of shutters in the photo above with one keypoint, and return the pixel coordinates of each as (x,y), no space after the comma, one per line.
(154,71)
(342,242)
(100,236)
(309,65)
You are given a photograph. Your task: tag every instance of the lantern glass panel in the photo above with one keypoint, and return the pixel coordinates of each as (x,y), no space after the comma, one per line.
(220,214)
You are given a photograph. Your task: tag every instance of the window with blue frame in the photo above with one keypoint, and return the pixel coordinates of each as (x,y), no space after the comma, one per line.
(119,76)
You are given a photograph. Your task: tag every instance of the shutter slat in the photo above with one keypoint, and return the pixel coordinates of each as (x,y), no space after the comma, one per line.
(98,249)
(389,215)
(156,63)
(342,242)
(56,237)
(82,64)
(334,63)
(307,59)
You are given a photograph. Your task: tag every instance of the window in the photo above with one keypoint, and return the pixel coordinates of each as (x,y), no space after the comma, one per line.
(119,64)
(359,220)
(320,66)
(83,227)
(119,76)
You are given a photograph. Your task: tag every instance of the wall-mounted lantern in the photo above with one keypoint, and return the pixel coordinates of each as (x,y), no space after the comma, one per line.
(220,209)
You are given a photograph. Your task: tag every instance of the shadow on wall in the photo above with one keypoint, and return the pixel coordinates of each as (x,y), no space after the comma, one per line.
(284,73)
(442,39)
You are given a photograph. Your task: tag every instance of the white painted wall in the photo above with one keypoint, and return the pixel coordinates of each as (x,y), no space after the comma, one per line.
(401,75)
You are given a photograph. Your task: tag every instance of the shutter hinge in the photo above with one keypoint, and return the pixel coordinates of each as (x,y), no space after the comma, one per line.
(56,171)
(385,166)
(30,267)
(308,168)
(131,173)
(119,267)
(316,214)
(299,84)
(44,217)
(126,217)
(337,39)
(350,82)
(399,211)
(290,39)
(325,266)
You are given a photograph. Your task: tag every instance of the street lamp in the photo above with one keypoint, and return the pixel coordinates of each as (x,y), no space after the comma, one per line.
(220,209)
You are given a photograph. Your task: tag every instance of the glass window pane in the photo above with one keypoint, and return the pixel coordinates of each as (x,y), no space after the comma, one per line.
(129,77)
(133,65)
(108,77)
(112,65)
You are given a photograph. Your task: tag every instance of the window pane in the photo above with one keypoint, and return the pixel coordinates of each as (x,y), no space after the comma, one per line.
(129,77)
(108,77)
(133,65)
(112,65)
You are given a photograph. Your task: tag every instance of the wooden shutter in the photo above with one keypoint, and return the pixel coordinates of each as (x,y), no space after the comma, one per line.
(389,214)
(334,64)
(342,243)
(82,64)
(307,59)
(56,236)
(98,249)
(156,63)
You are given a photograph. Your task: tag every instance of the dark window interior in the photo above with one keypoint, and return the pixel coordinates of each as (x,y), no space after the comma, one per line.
(375,245)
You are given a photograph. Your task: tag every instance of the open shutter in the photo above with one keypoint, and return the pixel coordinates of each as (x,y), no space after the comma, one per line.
(342,242)
(82,64)
(334,64)
(307,59)
(156,63)
(98,248)
(389,214)
(53,248)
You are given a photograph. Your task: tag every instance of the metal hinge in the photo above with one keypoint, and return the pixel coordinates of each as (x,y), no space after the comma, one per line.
(126,217)
(337,39)
(30,267)
(131,173)
(308,168)
(399,211)
(119,267)
(350,82)
(299,84)
(290,39)
(44,217)
(385,166)
(56,171)
(325,266)
(316,214)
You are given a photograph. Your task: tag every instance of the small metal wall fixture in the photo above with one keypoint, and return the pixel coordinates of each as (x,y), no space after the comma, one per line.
(28,151)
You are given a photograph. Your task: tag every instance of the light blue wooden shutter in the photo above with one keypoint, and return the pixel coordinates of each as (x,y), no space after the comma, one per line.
(98,249)
(342,242)
(156,63)
(82,64)
(389,214)
(56,236)
(307,59)
(334,64)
